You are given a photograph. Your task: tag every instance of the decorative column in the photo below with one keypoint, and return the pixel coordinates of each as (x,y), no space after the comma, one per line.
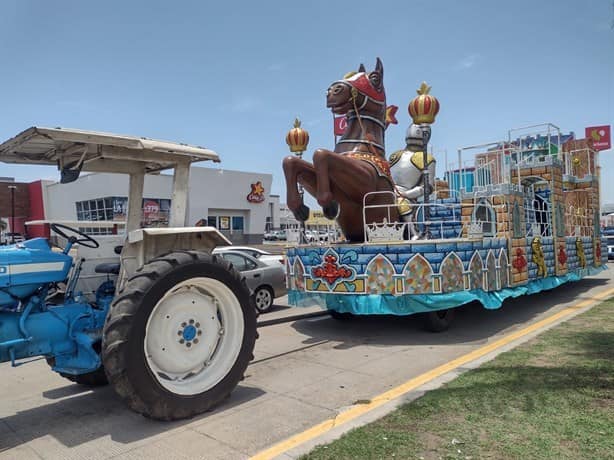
(297,140)
(423,109)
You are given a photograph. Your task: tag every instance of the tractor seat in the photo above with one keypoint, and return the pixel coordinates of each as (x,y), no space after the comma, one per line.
(110,268)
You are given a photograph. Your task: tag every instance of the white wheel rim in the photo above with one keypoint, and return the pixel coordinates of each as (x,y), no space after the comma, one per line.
(263,299)
(194,335)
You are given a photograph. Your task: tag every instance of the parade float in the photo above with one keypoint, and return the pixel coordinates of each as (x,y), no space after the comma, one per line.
(520,216)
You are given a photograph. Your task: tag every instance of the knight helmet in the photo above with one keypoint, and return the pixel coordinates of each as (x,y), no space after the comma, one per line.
(416,135)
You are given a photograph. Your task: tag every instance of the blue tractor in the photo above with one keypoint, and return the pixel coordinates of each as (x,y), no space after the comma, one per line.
(171,327)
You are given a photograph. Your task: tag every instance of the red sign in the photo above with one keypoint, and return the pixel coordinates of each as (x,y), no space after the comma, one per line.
(341,124)
(151,209)
(600,136)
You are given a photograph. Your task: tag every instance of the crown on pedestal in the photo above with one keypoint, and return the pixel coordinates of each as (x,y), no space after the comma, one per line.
(297,138)
(424,107)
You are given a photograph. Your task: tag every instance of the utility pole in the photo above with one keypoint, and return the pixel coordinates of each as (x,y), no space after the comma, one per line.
(12,189)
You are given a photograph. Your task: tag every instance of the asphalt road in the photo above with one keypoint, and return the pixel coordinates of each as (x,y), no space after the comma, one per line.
(304,372)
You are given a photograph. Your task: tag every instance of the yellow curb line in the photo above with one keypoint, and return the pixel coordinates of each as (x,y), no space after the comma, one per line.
(416,382)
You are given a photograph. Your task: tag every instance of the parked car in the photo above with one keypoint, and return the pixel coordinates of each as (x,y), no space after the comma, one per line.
(10,237)
(312,236)
(263,256)
(264,281)
(280,235)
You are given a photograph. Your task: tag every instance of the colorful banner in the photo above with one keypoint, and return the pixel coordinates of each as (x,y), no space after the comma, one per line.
(601,137)
(341,124)
(151,209)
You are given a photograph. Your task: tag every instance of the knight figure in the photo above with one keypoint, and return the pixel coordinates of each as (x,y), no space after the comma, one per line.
(407,170)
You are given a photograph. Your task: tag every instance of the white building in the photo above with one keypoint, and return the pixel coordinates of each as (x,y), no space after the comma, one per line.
(238,203)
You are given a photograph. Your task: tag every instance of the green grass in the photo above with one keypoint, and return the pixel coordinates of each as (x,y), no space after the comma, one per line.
(550,398)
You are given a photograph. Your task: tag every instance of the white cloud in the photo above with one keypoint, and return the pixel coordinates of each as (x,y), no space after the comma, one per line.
(468,61)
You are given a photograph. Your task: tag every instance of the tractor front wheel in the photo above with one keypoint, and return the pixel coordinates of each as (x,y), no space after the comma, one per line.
(179,336)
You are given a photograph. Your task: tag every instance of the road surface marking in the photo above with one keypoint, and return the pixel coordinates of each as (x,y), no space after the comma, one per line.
(412,384)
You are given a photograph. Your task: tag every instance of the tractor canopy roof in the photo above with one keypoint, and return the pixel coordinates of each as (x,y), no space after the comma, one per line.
(98,152)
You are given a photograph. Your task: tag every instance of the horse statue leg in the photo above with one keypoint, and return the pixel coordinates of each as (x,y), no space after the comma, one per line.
(324,195)
(342,183)
(298,170)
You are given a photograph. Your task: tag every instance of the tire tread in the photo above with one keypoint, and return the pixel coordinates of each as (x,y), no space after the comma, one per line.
(118,326)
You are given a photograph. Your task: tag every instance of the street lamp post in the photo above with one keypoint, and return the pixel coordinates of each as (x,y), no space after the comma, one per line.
(12,189)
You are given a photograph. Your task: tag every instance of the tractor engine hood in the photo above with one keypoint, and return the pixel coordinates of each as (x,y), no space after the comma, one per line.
(26,266)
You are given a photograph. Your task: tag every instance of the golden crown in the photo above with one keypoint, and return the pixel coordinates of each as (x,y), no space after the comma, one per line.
(297,138)
(424,107)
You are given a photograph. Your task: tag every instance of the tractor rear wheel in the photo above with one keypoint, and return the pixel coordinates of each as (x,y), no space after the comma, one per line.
(179,335)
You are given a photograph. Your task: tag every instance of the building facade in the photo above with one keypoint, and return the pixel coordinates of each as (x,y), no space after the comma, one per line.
(235,202)
(14,204)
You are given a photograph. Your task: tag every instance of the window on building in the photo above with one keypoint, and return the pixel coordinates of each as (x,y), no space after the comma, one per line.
(155,211)
(212,221)
(224,222)
(237,223)
(100,209)
(484,213)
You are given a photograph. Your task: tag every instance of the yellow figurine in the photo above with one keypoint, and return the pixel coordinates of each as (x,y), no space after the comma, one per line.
(538,257)
(580,252)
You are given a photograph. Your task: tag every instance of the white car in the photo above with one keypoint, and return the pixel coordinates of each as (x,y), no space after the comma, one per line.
(9,238)
(263,256)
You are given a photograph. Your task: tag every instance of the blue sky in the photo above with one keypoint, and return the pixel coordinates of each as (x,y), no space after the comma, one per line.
(233,75)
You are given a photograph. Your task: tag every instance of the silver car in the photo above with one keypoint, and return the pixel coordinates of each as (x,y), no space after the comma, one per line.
(264,281)
(261,255)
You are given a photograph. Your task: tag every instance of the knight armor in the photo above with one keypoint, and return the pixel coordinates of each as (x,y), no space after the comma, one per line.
(407,167)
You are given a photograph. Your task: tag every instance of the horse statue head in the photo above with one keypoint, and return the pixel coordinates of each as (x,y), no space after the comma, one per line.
(362,98)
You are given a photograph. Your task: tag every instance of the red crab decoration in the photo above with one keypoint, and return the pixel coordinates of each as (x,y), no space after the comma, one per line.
(330,271)
(520,261)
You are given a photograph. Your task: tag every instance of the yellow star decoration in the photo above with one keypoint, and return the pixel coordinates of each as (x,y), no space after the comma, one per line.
(257,188)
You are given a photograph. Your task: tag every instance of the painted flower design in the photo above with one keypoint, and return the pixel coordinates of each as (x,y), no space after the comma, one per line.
(562,256)
(520,261)
(330,271)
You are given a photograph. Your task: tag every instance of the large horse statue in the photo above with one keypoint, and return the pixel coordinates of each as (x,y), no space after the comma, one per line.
(340,179)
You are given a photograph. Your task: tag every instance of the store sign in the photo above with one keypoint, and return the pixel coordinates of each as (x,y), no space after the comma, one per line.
(151,208)
(120,208)
(257,193)
(600,136)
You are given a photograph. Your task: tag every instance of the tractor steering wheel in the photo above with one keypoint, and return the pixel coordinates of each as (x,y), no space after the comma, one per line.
(86,240)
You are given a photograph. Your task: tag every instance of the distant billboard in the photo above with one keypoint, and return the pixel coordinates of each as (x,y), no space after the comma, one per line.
(601,137)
